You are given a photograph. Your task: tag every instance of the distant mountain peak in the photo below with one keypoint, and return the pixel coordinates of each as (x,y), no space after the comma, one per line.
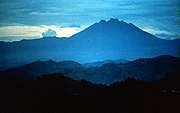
(112,27)
(114,23)
(102,21)
(112,20)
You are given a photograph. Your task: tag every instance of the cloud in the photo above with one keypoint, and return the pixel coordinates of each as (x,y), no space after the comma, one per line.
(44,13)
(64,31)
(160,33)
(29,31)
(49,33)
(21,31)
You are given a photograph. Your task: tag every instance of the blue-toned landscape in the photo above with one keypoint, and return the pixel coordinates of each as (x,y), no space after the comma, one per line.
(104,56)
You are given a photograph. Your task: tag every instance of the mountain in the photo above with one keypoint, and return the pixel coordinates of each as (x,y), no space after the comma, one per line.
(103,40)
(116,38)
(147,69)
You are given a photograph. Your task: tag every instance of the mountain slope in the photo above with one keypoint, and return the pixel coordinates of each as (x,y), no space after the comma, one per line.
(116,38)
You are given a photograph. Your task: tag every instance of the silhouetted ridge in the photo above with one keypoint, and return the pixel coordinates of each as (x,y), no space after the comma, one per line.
(147,69)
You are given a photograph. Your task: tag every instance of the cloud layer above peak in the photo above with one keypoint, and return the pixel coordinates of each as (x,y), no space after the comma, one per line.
(160,14)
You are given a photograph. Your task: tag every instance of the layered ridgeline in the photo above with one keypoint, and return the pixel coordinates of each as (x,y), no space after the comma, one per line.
(105,40)
(148,69)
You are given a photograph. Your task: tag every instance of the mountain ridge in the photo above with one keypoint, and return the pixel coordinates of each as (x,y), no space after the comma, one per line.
(147,69)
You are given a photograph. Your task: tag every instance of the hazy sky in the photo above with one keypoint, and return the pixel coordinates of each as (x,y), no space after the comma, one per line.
(30,18)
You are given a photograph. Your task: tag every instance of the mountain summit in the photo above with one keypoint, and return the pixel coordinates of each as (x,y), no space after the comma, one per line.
(117,39)
(112,39)
(114,28)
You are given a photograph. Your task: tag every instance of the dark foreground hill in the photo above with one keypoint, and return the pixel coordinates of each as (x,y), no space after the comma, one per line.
(58,94)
